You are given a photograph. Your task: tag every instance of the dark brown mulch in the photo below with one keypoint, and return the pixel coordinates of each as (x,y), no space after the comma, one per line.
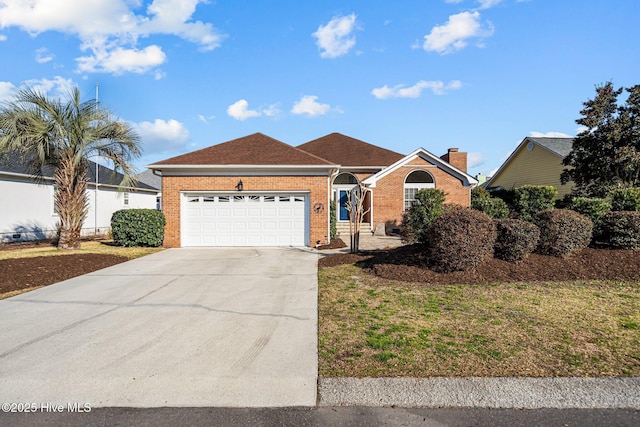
(22,273)
(334,244)
(408,264)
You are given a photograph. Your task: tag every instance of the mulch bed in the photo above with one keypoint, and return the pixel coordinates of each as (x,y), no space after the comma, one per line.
(408,263)
(334,244)
(23,273)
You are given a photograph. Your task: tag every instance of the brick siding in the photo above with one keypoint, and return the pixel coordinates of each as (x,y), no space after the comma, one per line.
(317,186)
(388,195)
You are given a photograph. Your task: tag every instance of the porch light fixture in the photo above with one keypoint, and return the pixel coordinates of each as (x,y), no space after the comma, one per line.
(239,186)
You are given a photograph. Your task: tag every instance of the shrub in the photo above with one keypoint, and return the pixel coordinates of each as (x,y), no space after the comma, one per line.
(515,239)
(460,239)
(494,207)
(625,199)
(531,199)
(593,208)
(563,231)
(333,220)
(138,227)
(417,221)
(622,229)
(479,193)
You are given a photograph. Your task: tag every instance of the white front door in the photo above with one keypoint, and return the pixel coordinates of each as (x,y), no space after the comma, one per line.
(278,219)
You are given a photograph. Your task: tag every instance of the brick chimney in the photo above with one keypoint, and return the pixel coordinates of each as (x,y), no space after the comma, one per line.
(456,158)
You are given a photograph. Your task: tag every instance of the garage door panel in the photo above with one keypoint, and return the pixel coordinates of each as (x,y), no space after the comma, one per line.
(245,220)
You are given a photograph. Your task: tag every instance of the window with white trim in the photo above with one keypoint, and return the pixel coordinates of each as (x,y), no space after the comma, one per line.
(125,198)
(414,182)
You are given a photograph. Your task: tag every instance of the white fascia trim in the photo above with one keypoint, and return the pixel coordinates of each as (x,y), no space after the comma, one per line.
(24,176)
(31,179)
(421,152)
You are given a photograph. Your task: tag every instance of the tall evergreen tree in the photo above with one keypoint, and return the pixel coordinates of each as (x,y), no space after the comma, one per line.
(63,134)
(606,154)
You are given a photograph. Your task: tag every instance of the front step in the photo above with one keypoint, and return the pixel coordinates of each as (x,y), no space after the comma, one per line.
(342,229)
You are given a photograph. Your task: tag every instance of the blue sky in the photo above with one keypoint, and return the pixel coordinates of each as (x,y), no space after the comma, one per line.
(475,74)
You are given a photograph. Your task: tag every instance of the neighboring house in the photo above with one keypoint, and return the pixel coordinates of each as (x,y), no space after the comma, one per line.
(28,212)
(154,181)
(258,191)
(536,161)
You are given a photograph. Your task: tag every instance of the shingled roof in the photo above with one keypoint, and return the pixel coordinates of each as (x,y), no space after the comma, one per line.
(255,149)
(347,151)
(14,163)
(560,146)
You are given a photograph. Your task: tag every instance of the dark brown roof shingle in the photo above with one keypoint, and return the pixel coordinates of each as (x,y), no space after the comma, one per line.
(255,149)
(347,151)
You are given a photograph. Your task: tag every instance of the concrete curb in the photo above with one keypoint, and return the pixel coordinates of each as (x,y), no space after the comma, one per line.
(517,393)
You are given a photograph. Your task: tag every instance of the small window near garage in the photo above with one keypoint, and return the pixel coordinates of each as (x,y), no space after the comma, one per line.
(223,199)
(238,198)
(284,198)
(269,199)
(208,199)
(298,198)
(254,198)
(125,199)
(193,199)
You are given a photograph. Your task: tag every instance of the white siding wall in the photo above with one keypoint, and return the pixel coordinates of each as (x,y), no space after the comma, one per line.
(27,208)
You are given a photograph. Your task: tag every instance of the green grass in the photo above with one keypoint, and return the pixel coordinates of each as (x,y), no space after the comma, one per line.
(374,327)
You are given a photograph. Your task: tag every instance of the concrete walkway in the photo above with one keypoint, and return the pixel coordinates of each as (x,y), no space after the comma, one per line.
(234,327)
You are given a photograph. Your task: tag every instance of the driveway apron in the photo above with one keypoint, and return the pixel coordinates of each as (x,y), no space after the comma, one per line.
(233,327)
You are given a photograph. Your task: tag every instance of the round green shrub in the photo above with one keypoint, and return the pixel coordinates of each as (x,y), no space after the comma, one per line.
(531,199)
(563,231)
(494,207)
(625,199)
(515,239)
(622,229)
(460,239)
(417,221)
(138,227)
(593,208)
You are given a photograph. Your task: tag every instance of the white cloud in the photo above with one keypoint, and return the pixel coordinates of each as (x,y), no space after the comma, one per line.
(581,128)
(475,159)
(454,35)
(7,91)
(162,135)
(111,29)
(205,119)
(3,38)
(335,39)
(400,91)
(486,4)
(58,86)
(308,105)
(119,60)
(551,134)
(43,55)
(239,110)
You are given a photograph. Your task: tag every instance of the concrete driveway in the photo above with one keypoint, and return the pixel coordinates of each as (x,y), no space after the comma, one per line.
(234,327)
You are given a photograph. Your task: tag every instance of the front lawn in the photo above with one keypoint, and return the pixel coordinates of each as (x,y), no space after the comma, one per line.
(371,326)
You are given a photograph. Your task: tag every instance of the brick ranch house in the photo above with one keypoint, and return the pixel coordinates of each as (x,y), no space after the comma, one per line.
(258,191)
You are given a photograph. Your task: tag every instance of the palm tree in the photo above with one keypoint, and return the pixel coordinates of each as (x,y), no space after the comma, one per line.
(63,134)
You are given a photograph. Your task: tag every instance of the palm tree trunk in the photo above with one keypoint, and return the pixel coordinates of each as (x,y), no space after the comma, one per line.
(71,202)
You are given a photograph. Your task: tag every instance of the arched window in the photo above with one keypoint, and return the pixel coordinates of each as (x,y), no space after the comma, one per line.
(345,178)
(416,180)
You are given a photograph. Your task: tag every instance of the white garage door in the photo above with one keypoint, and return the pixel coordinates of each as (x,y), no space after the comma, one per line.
(244,220)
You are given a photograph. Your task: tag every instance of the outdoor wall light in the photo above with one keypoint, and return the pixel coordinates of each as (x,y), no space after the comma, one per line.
(239,186)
